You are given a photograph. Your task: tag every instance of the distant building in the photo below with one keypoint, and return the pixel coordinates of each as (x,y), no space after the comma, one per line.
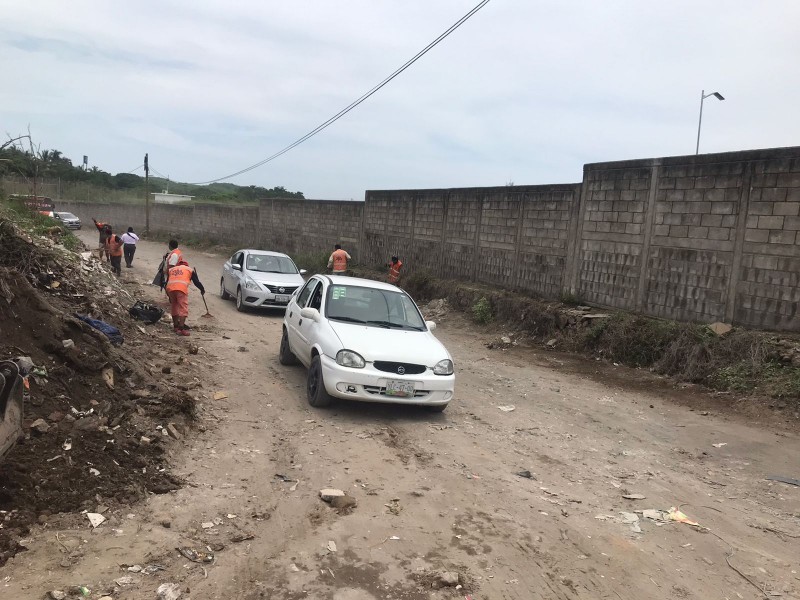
(167,198)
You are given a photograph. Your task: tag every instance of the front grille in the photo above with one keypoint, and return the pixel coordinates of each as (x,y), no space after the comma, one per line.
(275,289)
(381,391)
(392,367)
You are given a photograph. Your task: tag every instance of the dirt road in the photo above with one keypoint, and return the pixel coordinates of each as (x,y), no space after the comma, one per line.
(438,493)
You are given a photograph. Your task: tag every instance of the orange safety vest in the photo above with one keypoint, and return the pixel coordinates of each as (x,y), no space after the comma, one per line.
(114,247)
(176,252)
(394,271)
(179,278)
(339,260)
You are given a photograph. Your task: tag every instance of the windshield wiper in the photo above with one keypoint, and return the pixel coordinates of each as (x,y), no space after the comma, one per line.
(387,324)
(348,319)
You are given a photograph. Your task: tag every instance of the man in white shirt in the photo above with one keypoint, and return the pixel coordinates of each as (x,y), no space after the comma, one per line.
(129,239)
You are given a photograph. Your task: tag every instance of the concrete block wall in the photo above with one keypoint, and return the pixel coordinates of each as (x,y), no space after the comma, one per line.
(698,238)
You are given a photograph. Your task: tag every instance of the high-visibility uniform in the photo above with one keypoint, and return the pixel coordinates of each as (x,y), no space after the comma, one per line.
(173,256)
(179,278)
(394,271)
(114,247)
(339,261)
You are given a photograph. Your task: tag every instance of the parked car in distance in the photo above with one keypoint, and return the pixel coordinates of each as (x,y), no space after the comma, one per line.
(260,279)
(365,340)
(70,221)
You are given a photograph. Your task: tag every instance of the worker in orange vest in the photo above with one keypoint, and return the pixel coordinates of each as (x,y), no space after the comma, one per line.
(178,291)
(114,252)
(338,260)
(172,257)
(394,270)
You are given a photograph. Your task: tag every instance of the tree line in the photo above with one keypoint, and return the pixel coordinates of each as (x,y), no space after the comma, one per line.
(26,160)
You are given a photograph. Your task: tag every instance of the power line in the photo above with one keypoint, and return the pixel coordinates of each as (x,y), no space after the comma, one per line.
(358,101)
(132,171)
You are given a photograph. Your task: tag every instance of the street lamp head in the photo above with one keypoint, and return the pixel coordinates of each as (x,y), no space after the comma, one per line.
(718,95)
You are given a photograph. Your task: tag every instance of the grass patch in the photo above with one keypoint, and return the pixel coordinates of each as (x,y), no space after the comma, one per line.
(36,223)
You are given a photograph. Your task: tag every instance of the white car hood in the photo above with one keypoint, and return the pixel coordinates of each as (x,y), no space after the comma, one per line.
(396,345)
(292,279)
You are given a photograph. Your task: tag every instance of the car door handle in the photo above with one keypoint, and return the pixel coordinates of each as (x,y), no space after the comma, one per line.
(300,323)
(290,315)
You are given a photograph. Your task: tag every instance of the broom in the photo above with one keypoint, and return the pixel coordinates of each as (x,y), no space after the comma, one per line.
(208,315)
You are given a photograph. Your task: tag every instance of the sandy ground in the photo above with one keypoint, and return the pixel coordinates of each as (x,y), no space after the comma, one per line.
(438,493)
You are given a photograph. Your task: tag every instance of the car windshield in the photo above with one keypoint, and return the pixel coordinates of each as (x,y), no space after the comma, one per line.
(267,263)
(66,215)
(373,307)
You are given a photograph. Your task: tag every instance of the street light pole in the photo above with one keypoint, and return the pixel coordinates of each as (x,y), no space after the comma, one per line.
(703,96)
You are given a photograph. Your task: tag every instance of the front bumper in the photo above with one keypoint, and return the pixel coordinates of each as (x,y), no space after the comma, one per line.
(72,225)
(264,299)
(369,385)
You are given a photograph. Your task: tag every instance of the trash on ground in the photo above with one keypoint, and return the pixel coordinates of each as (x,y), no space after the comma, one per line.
(329,494)
(95,519)
(57,595)
(294,568)
(112,333)
(675,515)
(720,445)
(507,408)
(394,537)
(207,525)
(108,377)
(448,578)
(631,519)
(68,344)
(525,474)
(634,496)
(782,479)
(720,328)
(653,515)
(169,591)
(331,546)
(127,580)
(94,472)
(198,556)
(67,445)
(220,395)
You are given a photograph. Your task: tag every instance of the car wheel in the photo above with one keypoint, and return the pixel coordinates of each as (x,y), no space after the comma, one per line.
(239,303)
(223,294)
(317,394)
(436,408)
(285,355)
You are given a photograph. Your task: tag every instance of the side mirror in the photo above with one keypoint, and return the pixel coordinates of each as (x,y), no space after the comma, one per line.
(303,271)
(236,267)
(310,313)
(431,325)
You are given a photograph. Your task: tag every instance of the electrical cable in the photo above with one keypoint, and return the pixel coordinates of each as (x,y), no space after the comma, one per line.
(356,102)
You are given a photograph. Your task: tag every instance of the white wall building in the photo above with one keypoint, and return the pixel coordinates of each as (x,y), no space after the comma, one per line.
(167,198)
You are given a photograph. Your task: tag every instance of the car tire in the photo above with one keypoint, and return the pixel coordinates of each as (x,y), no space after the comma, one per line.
(285,355)
(318,396)
(436,408)
(239,300)
(222,293)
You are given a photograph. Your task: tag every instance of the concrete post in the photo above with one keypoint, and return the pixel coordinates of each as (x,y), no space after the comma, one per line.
(477,244)
(518,242)
(738,245)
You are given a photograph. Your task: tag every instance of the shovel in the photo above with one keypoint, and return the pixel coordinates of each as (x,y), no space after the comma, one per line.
(208,315)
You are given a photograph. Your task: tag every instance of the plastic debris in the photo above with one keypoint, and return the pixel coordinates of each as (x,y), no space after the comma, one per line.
(720,328)
(675,515)
(68,344)
(95,519)
(448,578)
(634,496)
(525,474)
(294,568)
(720,445)
(67,445)
(108,377)
(169,591)
(394,537)
(198,556)
(331,546)
(787,480)
(127,580)
(220,395)
(507,408)
(207,525)
(653,515)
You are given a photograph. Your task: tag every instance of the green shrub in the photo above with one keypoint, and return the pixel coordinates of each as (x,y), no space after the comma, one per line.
(482,311)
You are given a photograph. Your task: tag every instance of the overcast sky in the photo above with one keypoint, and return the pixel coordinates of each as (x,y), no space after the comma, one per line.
(524,92)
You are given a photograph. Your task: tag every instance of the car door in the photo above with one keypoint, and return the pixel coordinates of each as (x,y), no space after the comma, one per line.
(294,322)
(227,273)
(308,329)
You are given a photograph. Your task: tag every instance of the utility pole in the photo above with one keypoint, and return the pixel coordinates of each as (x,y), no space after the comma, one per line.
(146,197)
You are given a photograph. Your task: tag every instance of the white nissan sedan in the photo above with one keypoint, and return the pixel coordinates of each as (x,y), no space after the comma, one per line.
(365,340)
(260,279)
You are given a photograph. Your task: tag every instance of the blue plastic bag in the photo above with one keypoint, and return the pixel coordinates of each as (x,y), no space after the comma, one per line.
(112,333)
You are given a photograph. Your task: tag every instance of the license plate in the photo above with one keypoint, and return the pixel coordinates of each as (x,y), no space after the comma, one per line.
(282,299)
(400,389)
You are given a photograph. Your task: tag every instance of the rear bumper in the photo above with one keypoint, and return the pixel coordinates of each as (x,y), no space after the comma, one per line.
(369,385)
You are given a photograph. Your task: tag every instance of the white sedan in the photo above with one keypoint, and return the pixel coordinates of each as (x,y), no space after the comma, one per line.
(365,340)
(260,279)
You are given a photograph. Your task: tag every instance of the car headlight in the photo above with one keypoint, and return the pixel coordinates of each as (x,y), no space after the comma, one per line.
(251,285)
(348,358)
(443,367)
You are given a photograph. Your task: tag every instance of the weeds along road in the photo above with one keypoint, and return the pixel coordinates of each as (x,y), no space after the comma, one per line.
(439,493)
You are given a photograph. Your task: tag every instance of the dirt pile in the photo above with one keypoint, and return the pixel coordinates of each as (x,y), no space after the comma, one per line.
(97,416)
